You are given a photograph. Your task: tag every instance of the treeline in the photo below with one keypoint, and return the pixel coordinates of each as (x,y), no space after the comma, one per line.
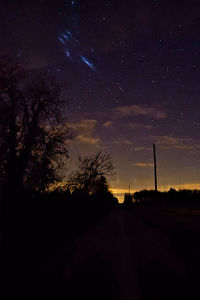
(34,138)
(184,196)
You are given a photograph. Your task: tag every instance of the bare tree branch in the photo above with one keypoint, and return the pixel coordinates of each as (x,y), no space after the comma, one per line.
(32,127)
(90,170)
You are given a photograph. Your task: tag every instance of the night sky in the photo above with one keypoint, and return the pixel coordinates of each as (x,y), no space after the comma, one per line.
(131,70)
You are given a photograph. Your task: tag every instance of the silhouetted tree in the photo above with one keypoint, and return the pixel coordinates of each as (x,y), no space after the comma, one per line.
(101,191)
(91,173)
(32,128)
(101,186)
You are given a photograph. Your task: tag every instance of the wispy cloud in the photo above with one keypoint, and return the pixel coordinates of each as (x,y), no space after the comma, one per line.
(83,125)
(143,165)
(88,140)
(140,126)
(84,133)
(167,142)
(139,110)
(122,142)
(141,148)
(107,124)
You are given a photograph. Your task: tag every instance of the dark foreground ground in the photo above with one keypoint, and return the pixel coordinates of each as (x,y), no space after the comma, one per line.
(92,252)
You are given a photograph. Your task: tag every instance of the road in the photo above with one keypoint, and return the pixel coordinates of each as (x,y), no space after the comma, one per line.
(121,258)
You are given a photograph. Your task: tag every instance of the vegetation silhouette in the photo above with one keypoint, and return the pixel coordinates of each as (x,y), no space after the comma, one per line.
(89,180)
(33,130)
(172,197)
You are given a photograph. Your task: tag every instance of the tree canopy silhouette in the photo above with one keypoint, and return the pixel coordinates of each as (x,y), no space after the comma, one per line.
(91,173)
(32,128)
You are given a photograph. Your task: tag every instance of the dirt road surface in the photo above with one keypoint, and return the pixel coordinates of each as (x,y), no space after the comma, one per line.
(121,258)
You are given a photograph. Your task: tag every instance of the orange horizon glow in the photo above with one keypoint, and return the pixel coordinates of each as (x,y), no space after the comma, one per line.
(119,192)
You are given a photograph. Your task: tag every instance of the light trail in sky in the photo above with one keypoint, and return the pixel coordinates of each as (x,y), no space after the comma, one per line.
(87,62)
(77,53)
(61,40)
(73,50)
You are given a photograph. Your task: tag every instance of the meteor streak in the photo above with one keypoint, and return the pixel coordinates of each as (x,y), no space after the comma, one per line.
(61,40)
(121,89)
(73,49)
(87,62)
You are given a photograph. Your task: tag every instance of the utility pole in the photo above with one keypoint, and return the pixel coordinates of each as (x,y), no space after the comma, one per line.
(155,168)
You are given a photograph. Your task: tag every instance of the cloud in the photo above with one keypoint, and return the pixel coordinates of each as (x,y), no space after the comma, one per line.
(86,125)
(141,148)
(107,124)
(140,126)
(143,165)
(88,140)
(139,110)
(84,133)
(122,142)
(167,142)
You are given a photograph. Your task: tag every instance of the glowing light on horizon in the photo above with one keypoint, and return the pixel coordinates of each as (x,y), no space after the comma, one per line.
(119,192)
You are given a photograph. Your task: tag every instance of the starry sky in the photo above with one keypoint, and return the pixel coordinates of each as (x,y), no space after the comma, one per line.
(131,72)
